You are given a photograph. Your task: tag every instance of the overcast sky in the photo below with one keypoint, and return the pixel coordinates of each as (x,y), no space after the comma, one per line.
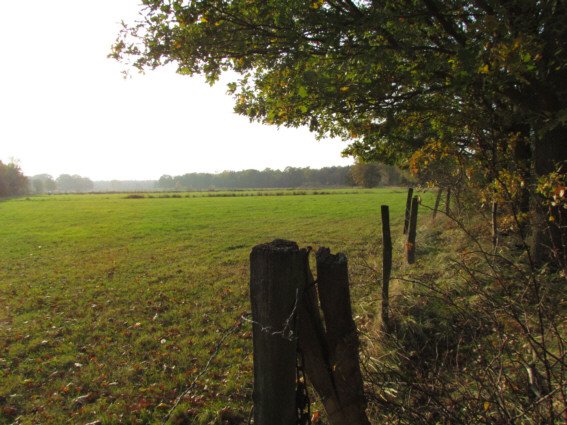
(66,108)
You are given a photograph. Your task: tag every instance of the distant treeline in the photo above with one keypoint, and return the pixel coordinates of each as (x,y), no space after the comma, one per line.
(65,183)
(366,175)
(14,183)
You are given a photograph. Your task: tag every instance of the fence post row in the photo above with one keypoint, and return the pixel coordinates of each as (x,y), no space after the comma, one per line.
(329,353)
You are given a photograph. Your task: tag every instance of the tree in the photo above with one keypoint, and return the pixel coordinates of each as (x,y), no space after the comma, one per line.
(367,174)
(12,180)
(43,183)
(165,182)
(74,183)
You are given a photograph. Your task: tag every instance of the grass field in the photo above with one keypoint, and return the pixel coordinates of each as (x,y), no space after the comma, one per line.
(110,307)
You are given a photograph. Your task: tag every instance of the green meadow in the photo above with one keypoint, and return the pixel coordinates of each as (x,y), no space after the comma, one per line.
(111,306)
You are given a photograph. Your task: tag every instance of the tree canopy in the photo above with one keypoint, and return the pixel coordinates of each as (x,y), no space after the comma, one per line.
(390,75)
(74,183)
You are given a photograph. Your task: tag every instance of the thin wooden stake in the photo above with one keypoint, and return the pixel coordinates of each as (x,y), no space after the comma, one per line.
(448,202)
(386,266)
(437,201)
(408,210)
(410,244)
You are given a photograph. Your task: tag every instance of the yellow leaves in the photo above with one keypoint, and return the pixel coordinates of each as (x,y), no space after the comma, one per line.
(484,69)
(203,19)
(553,188)
(177,44)
(344,89)
(435,162)
(454,63)
(317,4)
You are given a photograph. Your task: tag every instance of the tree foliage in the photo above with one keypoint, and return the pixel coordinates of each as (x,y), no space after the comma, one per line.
(43,183)
(390,75)
(12,180)
(74,183)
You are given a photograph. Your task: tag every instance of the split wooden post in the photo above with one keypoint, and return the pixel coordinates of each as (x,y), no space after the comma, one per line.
(412,231)
(277,280)
(386,266)
(408,210)
(342,340)
(437,201)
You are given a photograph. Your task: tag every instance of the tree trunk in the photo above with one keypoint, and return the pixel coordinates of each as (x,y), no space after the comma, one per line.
(494,218)
(548,236)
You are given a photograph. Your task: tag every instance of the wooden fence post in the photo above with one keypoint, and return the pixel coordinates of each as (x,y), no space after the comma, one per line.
(342,339)
(408,210)
(437,201)
(277,280)
(410,244)
(386,266)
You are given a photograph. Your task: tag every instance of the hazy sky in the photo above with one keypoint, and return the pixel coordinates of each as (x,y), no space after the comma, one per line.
(65,107)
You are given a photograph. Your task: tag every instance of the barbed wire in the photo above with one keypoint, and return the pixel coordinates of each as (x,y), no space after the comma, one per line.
(286,332)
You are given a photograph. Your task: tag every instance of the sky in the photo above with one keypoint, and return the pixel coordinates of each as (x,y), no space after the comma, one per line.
(66,108)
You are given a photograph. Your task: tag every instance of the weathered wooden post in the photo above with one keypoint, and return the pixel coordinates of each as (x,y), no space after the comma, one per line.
(408,210)
(412,231)
(437,201)
(287,323)
(342,340)
(386,266)
(448,202)
(277,280)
